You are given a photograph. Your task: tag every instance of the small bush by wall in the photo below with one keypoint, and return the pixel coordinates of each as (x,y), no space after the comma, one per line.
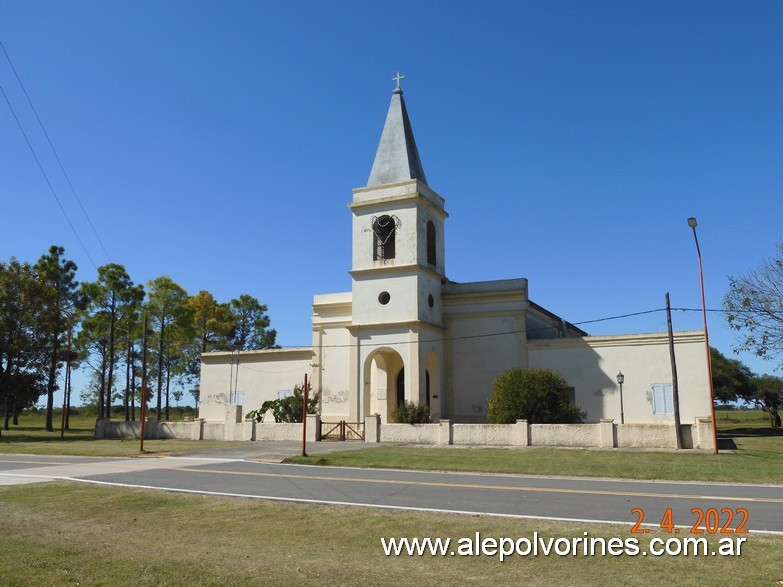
(410,413)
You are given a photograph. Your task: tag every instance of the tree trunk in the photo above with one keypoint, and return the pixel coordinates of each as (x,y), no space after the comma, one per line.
(127,383)
(7,417)
(15,418)
(68,406)
(168,381)
(7,408)
(133,387)
(52,383)
(160,364)
(2,378)
(110,378)
(103,401)
(144,373)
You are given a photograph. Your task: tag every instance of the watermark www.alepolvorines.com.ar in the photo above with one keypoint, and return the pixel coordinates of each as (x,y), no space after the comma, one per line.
(537,545)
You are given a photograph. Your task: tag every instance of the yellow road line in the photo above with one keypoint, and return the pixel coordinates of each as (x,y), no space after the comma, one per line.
(121,464)
(476,486)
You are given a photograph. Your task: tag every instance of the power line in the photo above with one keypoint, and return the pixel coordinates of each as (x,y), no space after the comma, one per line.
(59,203)
(619,316)
(718,310)
(488,334)
(218,347)
(56,156)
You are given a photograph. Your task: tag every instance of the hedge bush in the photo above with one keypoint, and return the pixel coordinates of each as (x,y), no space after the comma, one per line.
(540,396)
(287,409)
(410,413)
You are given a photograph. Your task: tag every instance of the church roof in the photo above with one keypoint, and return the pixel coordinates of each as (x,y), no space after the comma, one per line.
(397,158)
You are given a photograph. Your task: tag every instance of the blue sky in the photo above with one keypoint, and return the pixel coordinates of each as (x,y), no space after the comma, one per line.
(218,143)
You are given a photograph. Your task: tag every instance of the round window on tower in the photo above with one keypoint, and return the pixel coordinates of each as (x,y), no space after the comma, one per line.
(431,301)
(384,297)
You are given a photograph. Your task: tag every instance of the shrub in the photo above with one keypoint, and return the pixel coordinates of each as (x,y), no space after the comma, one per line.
(410,413)
(540,396)
(287,409)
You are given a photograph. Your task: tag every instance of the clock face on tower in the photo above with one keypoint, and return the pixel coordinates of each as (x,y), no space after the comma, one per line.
(384,231)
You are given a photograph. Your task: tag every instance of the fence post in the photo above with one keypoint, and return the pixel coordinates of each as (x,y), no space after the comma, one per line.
(313,428)
(372,432)
(704,432)
(607,433)
(444,432)
(522,433)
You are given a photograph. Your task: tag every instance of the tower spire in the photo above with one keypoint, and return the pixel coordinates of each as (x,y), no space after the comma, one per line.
(397,158)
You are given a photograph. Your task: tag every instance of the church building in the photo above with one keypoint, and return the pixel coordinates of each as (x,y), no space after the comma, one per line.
(405,332)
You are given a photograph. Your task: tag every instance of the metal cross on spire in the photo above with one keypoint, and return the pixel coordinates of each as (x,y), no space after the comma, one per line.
(397,78)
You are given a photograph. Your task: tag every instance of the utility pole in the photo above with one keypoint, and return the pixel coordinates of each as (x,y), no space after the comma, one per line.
(304,418)
(675,386)
(693,224)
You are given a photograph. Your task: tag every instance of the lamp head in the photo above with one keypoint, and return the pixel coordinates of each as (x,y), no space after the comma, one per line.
(620,378)
(692,222)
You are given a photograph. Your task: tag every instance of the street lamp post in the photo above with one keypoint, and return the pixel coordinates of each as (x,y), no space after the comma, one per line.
(693,224)
(620,381)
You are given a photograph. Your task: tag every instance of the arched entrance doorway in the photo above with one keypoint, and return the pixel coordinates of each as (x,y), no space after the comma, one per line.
(384,383)
(400,388)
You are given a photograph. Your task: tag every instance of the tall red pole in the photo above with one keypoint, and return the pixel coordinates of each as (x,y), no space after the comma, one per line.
(692,223)
(304,418)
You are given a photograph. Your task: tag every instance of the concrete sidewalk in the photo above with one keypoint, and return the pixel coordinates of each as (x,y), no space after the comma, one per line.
(274,450)
(20,469)
(17,469)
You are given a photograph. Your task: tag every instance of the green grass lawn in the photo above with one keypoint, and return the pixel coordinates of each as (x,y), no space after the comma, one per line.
(30,437)
(756,457)
(115,536)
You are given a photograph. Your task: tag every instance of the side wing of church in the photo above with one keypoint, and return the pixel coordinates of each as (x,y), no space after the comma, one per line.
(405,332)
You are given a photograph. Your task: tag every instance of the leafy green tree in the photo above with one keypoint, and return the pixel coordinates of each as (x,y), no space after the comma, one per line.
(754,305)
(212,322)
(25,387)
(112,298)
(92,343)
(769,397)
(732,380)
(177,356)
(540,396)
(169,315)
(57,275)
(132,328)
(23,345)
(250,325)
(212,325)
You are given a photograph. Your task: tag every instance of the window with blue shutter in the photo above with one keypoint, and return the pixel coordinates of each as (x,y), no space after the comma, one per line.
(663,398)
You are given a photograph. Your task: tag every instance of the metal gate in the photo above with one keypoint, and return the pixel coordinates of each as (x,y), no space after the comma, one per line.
(342,430)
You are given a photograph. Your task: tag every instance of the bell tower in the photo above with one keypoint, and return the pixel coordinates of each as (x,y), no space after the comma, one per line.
(398,260)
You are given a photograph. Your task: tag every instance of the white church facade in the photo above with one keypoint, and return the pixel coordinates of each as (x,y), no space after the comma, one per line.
(405,332)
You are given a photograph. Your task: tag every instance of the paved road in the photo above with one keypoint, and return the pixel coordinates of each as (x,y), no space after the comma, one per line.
(594,500)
